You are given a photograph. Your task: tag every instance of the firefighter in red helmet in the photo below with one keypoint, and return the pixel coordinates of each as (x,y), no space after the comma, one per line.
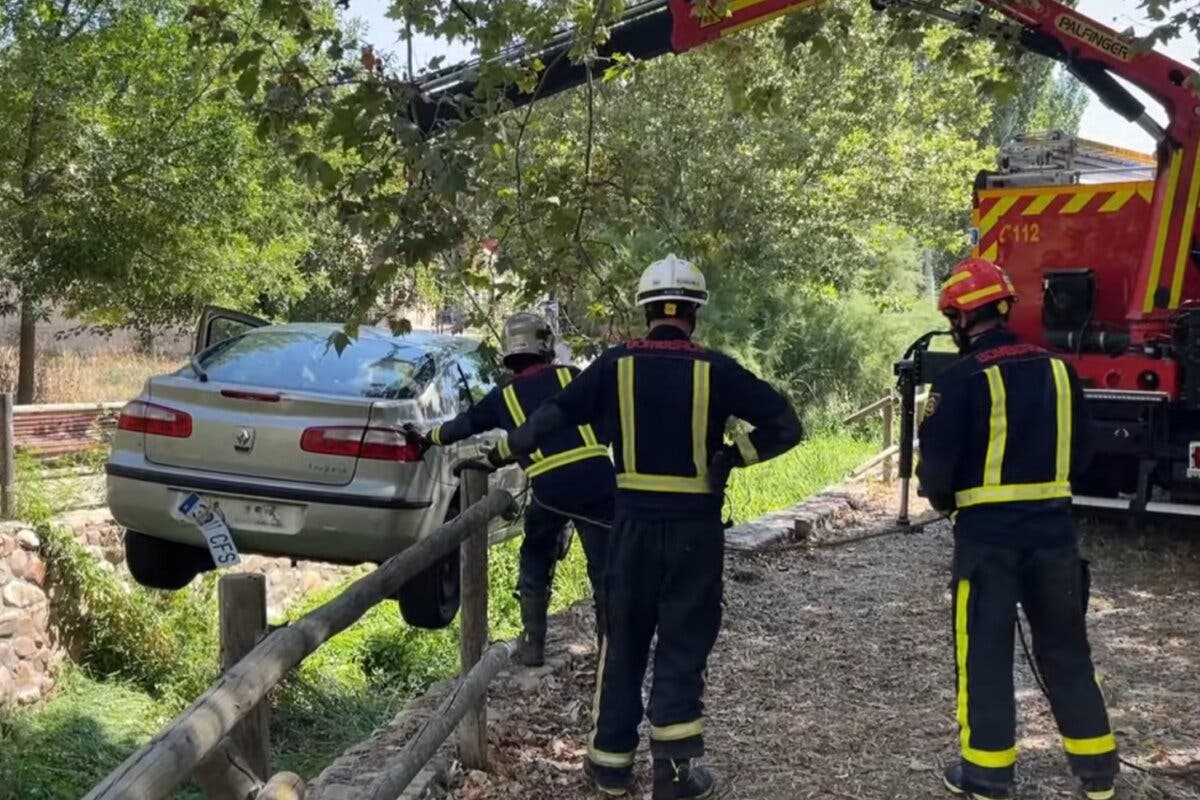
(1002,437)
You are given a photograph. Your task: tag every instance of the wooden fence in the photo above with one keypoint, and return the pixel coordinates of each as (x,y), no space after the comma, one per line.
(223,736)
(888,409)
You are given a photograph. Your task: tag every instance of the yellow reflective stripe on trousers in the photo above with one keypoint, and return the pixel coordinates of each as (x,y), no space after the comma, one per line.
(1012,493)
(680,730)
(566,457)
(1096,746)
(746,448)
(596,755)
(435,435)
(625,401)
(518,414)
(505,450)
(701,370)
(1062,392)
(995,759)
(585,431)
(993,464)
(662,483)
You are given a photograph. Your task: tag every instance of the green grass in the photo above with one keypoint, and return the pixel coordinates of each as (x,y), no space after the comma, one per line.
(820,461)
(149,653)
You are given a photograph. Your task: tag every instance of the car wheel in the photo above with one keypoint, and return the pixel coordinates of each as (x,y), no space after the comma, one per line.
(430,599)
(161,564)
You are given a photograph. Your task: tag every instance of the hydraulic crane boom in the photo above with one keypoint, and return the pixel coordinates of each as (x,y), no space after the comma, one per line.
(1094,53)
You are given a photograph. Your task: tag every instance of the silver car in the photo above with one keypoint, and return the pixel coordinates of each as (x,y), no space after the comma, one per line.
(301,449)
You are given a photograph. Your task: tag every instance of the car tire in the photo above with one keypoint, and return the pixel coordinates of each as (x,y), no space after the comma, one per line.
(162,564)
(431,598)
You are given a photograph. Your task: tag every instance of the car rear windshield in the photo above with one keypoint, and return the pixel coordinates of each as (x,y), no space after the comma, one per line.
(306,361)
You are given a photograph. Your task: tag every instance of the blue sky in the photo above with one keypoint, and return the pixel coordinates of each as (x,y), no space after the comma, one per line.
(1098,122)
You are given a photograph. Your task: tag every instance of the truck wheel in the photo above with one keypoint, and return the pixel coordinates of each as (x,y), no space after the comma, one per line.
(162,564)
(430,599)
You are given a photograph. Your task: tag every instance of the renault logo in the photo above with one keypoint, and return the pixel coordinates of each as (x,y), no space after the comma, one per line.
(243,440)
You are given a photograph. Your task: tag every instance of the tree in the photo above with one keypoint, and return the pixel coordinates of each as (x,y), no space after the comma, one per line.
(132,189)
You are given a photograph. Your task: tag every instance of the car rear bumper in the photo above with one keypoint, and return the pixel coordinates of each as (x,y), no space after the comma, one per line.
(310,523)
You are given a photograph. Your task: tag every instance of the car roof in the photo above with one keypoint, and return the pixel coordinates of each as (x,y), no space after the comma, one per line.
(425,340)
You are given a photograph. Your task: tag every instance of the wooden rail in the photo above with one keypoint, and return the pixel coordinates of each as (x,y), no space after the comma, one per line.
(887,407)
(210,725)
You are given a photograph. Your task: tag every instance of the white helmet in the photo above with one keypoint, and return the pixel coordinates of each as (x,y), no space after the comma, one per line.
(672,278)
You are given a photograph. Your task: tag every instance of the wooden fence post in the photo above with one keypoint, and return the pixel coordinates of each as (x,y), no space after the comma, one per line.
(887,441)
(7,458)
(473,629)
(243,602)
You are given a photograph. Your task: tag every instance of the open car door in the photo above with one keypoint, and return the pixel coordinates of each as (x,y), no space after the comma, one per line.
(218,324)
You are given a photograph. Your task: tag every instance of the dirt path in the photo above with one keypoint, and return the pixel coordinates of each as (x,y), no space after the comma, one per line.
(833,678)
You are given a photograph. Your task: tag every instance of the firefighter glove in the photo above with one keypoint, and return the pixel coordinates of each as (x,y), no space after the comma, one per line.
(496,458)
(719,468)
(414,436)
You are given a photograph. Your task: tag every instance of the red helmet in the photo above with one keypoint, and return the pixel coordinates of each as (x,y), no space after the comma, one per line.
(973,284)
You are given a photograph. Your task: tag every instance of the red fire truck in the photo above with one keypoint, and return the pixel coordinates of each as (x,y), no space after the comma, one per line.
(1100,242)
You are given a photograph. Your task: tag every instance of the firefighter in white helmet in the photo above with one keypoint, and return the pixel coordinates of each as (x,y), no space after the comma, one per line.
(571,475)
(663,401)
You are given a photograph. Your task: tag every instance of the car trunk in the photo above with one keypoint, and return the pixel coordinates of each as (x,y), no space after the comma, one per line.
(253,431)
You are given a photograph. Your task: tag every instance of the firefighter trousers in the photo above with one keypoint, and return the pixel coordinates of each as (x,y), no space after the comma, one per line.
(540,548)
(663,576)
(1051,584)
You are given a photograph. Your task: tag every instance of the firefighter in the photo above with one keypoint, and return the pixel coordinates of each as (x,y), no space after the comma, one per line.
(571,476)
(664,402)
(1002,437)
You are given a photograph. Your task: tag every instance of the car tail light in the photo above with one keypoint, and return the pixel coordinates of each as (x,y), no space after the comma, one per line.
(142,417)
(377,444)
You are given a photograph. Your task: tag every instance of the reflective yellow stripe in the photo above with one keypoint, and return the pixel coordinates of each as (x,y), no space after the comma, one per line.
(1012,493)
(998,210)
(680,730)
(957,277)
(435,435)
(625,398)
(992,253)
(993,464)
(1101,794)
(1185,239)
(566,457)
(1164,226)
(518,415)
(1116,201)
(597,756)
(662,483)
(700,391)
(505,450)
(514,406)
(983,758)
(1077,203)
(1062,390)
(980,294)
(1096,746)
(585,431)
(1038,205)
(746,448)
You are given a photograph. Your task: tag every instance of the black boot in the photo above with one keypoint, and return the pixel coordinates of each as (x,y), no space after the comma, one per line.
(1098,788)
(532,650)
(612,781)
(958,784)
(678,779)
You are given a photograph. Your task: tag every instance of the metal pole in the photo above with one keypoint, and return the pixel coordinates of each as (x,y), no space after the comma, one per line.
(908,398)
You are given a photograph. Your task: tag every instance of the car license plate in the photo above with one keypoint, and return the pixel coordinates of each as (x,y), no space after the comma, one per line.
(207,517)
(251,514)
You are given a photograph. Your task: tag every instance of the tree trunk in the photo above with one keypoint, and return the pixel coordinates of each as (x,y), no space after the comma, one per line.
(27,355)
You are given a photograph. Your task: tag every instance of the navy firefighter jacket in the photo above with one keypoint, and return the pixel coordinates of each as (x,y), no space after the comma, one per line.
(663,402)
(1003,435)
(572,469)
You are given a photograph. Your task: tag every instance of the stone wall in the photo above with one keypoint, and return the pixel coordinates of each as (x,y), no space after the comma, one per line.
(28,645)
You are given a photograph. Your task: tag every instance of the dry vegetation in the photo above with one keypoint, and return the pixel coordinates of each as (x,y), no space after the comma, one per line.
(833,679)
(70,377)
